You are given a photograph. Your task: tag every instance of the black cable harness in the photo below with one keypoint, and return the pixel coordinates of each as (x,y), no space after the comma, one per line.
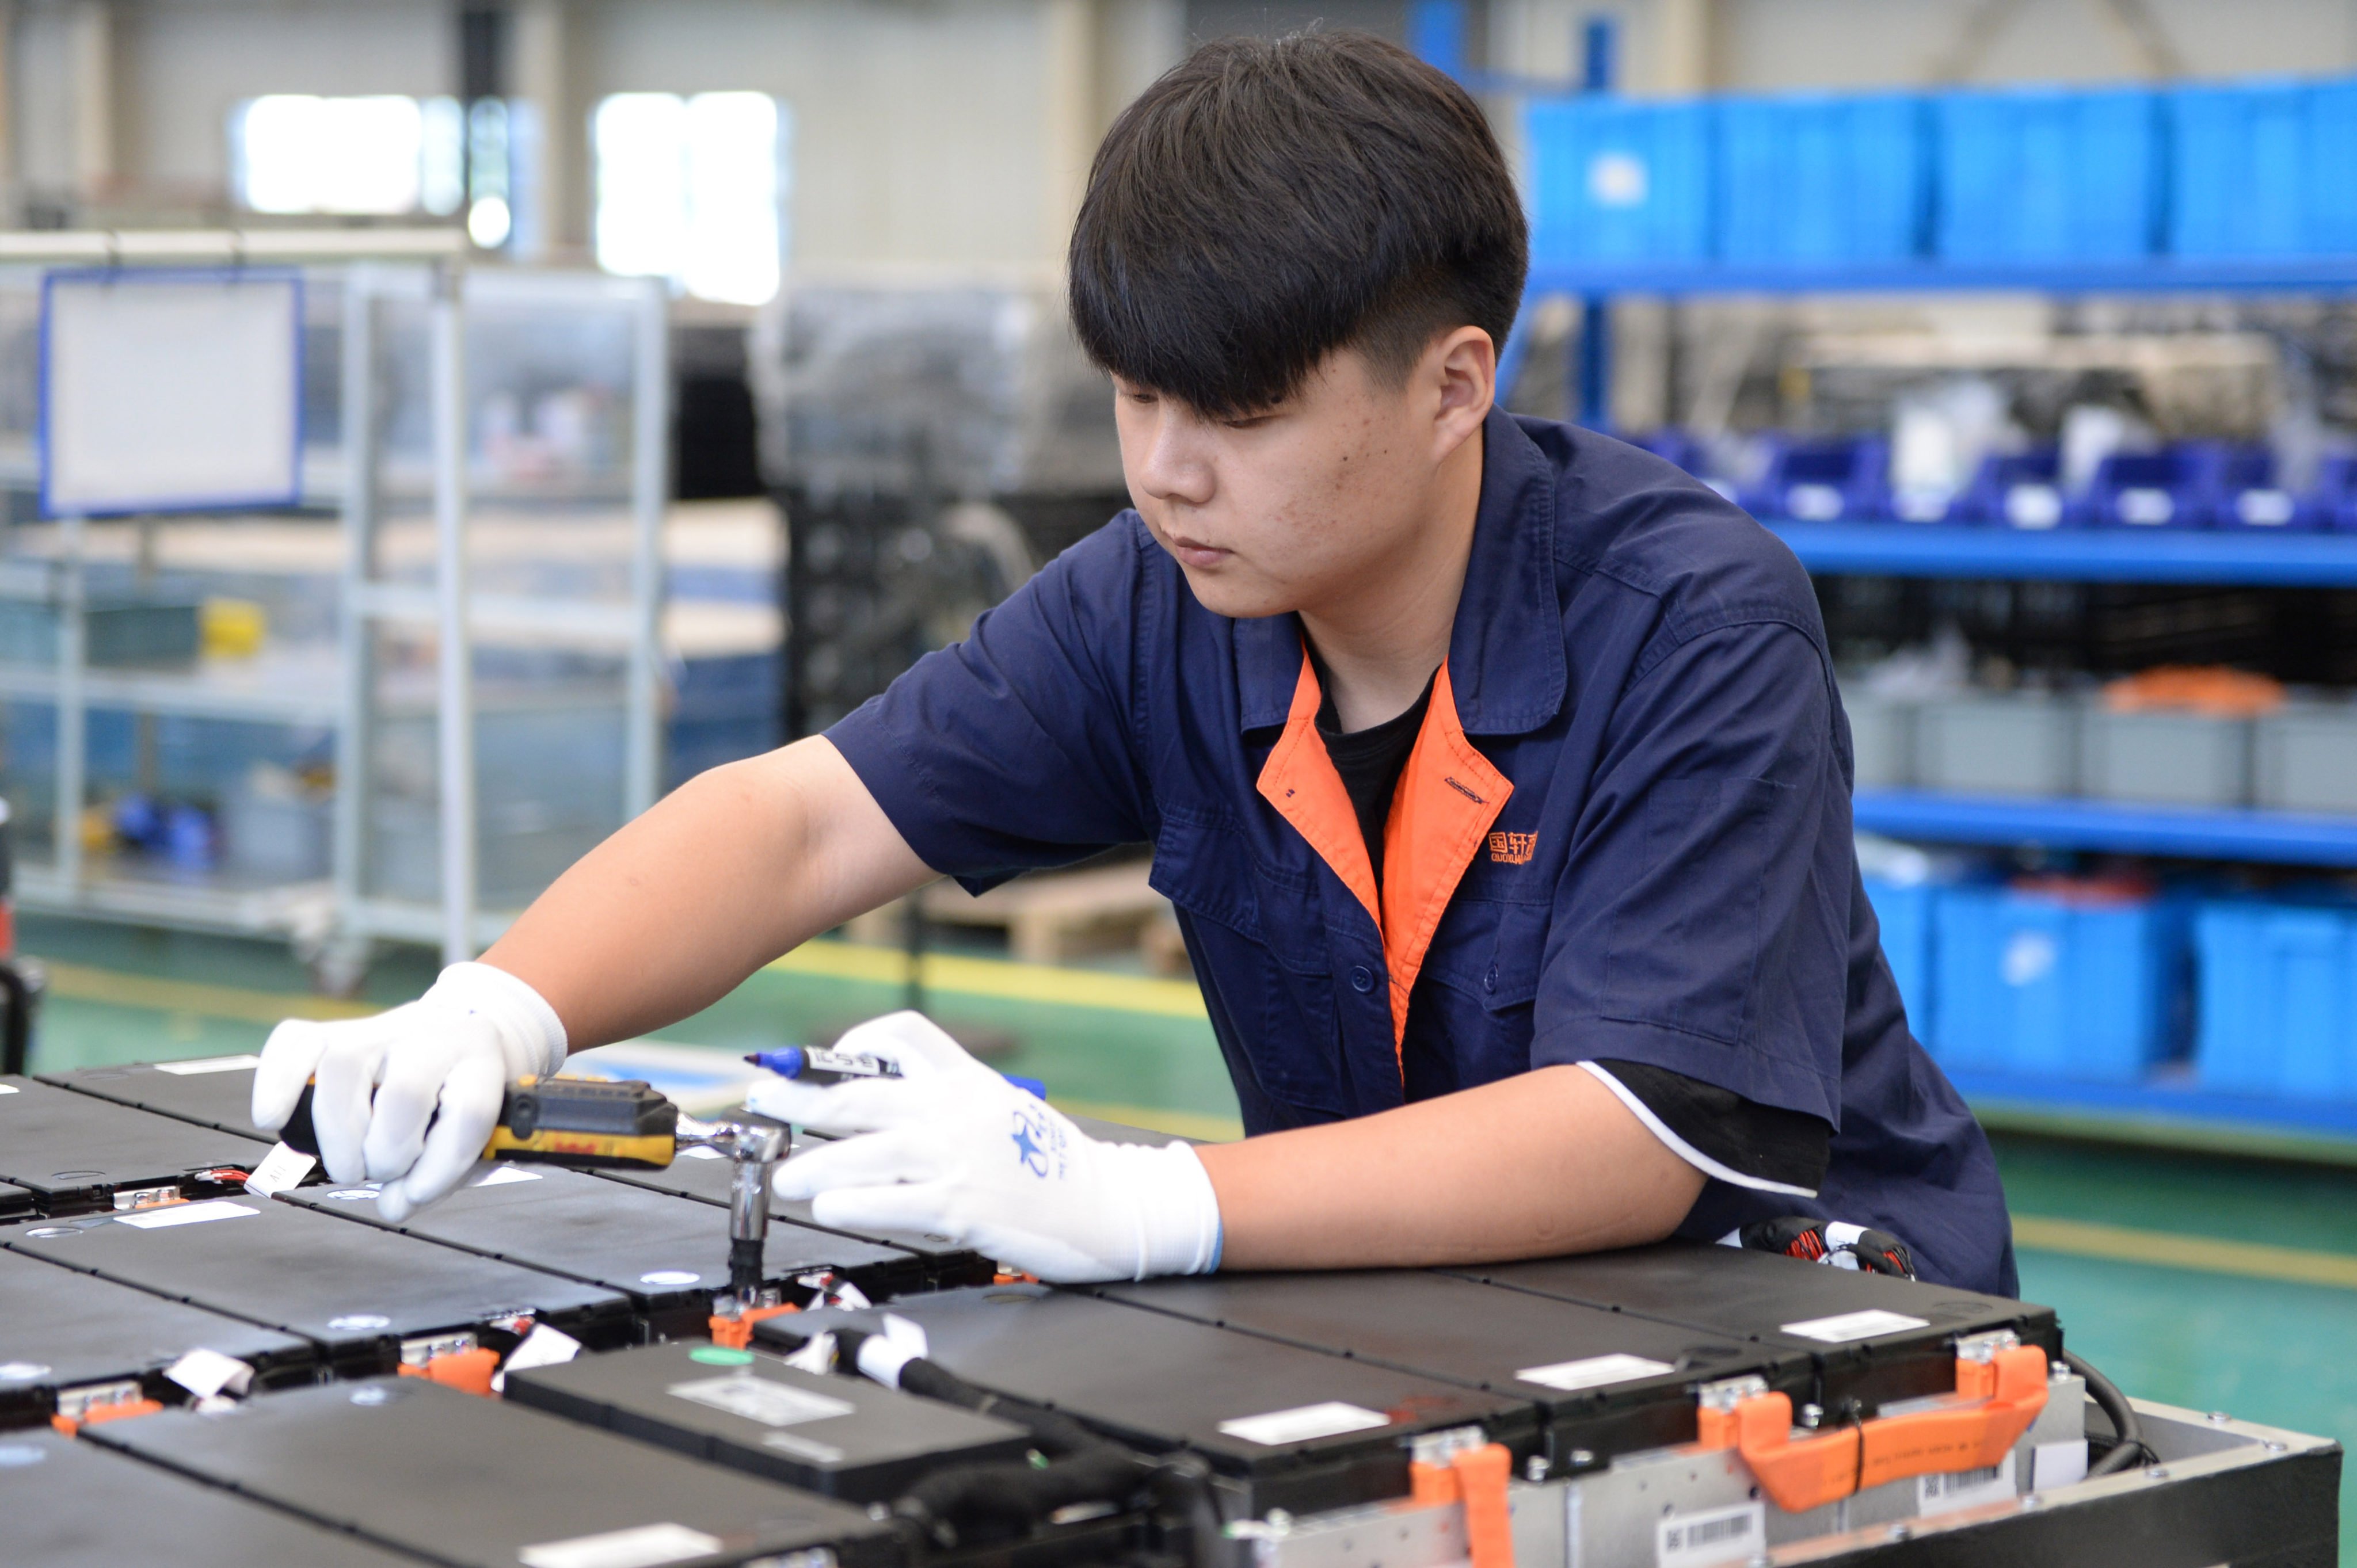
(2129,1450)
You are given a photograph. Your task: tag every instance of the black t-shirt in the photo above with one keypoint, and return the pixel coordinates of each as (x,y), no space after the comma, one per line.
(1717,1130)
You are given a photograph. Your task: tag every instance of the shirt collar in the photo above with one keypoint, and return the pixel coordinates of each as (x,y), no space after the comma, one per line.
(1505,650)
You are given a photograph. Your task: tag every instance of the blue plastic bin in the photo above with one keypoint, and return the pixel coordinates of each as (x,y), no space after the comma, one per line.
(1905,913)
(2034,983)
(2277,1000)
(1846,479)
(2263,169)
(1613,179)
(2043,175)
(2178,488)
(1824,180)
(2015,489)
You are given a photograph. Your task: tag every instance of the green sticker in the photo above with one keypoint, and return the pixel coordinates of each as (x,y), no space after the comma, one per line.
(720,1356)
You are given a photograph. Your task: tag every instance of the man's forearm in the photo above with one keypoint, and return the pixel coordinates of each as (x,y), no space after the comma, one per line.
(1536,1166)
(733,868)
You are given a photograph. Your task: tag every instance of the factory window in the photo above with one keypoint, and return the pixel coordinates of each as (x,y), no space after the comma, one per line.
(694,189)
(380,155)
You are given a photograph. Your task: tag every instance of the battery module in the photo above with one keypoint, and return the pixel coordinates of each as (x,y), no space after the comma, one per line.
(78,1154)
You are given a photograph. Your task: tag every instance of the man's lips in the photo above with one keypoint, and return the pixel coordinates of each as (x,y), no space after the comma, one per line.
(1193,552)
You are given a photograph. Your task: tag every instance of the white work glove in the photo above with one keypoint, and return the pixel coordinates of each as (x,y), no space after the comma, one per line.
(953,1149)
(446,1058)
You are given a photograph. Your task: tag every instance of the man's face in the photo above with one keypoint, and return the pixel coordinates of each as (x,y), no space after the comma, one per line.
(1299,506)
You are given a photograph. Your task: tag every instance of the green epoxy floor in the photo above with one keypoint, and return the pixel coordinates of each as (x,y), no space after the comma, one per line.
(2260,1347)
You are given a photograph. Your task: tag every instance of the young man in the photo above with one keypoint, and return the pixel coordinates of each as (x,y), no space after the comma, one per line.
(1495,768)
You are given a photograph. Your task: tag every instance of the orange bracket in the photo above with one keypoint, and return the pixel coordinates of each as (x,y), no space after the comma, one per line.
(1996,1401)
(1476,1477)
(71,1424)
(468,1371)
(736,1333)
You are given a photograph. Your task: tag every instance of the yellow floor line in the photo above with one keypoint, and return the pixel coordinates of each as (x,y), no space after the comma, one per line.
(1001,978)
(83,983)
(2206,1255)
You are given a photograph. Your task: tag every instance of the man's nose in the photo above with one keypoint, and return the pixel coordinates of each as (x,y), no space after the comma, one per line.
(1172,465)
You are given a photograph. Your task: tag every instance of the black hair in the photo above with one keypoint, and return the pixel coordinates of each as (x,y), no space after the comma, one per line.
(1267,202)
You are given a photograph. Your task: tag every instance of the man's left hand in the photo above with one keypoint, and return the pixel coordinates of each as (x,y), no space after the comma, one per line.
(950,1148)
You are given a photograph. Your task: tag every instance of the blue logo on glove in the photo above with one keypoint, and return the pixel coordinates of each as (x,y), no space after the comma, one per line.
(1028,1147)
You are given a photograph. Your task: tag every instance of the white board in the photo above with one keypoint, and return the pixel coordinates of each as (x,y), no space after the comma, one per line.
(170,391)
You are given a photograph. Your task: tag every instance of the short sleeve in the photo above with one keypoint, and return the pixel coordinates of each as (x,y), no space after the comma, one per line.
(1701,925)
(1013,748)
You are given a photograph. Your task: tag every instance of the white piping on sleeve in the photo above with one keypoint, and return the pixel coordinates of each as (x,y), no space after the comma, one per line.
(1686,1151)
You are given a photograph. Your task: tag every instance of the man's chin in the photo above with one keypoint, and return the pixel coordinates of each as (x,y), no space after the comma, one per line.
(1222,593)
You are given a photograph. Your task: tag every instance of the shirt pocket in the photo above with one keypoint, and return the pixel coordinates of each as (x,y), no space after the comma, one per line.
(1259,941)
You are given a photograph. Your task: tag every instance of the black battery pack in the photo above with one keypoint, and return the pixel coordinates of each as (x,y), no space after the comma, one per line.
(211,1091)
(1874,1338)
(667,1254)
(76,1505)
(843,1436)
(16,1203)
(70,1332)
(484,1483)
(1605,1382)
(1289,1428)
(358,1292)
(707,1176)
(78,1154)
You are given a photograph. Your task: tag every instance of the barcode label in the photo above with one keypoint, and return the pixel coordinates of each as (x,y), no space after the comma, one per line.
(1713,1536)
(1965,1489)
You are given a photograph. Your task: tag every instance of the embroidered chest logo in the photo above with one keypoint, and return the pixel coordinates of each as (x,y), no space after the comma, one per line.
(1512,849)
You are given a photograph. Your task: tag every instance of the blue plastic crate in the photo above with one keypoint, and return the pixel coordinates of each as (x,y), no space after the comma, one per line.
(2178,488)
(2277,1000)
(1814,179)
(2035,984)
(1844,479)
(1613,179)
(1904,911)
(2263,169)
(2015,489)
(2045,175)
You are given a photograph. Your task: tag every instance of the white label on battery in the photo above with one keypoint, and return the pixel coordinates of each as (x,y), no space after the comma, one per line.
(543,1347)
(209,1064)
(186,1214)
(2059,1464)
(7,1089)
(205,1373)
(641,1547)
(756,1399)
(499,1175)
(1848,1326)
(701,1152)
(1965,1489)
(281,1168)
(1304,1423)
(1594,1372)
(1734,1534)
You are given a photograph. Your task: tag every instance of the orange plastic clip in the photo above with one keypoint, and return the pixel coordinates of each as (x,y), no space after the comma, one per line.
(468,1371)
(70,1424)
(735,1333)
(1476,1477)
(1995,1401)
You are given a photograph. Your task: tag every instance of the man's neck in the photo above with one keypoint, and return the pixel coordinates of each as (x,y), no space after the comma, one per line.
(1381,641)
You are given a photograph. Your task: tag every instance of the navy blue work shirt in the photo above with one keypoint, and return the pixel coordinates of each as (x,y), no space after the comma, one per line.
(1639,700)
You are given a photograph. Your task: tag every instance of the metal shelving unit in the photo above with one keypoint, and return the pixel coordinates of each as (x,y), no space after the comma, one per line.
(2249,559)
(340,686)
(2281,838)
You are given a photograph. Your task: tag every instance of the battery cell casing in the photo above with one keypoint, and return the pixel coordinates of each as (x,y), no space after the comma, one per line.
(63,1329)
(1874,1338)
(355,1291)
(843,1436)
(706,1176)
(211,1091)
(1605,1382)
(75,1153)
(667,1254)
(76,1505)
(1291,1428)
(458,1479)
(16,1203)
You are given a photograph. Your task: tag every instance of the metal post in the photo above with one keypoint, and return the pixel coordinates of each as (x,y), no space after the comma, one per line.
(1592,374)
(455,692)
(356,734)
(73,711)
(650,496)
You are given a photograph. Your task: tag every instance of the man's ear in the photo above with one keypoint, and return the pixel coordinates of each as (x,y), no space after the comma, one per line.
(1462,366)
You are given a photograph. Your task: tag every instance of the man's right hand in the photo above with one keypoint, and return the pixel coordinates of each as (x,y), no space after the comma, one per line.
(409,1097)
